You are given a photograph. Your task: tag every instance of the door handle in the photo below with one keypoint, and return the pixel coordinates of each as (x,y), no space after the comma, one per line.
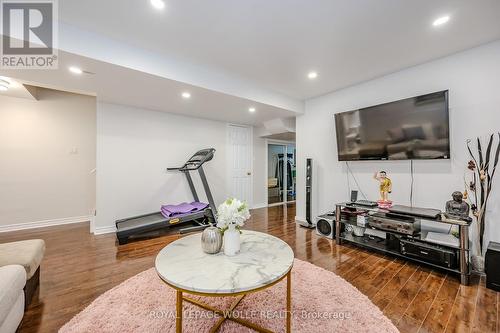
(249,173)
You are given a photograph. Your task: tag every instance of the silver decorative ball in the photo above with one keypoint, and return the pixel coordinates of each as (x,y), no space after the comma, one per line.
(211,240)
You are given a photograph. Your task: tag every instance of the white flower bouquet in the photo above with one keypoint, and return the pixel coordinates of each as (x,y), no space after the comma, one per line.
(232,214)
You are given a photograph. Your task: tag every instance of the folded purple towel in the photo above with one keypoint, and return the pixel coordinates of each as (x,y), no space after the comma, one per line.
(182,209)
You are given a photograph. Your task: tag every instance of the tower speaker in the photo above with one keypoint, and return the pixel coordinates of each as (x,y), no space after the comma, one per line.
(492,266)
(310,196)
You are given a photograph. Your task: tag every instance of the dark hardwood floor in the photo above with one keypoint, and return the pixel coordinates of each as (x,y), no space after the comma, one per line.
(79,266)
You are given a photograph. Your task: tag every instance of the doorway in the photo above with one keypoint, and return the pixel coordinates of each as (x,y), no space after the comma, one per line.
(281,173)
(239,141)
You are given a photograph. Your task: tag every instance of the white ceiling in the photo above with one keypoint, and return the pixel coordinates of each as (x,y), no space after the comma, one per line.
(286,136)
(17,89)
(120,85)
(275,43)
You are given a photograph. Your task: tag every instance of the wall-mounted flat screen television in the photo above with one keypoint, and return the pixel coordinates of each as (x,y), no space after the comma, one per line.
(412,128)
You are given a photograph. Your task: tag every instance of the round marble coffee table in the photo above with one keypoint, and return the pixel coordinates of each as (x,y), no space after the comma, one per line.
(263,261)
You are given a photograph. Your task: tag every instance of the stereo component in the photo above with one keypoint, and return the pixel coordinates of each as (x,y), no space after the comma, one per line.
(429,253)
(406,226)
(365,203)
(429,213)
(492,266)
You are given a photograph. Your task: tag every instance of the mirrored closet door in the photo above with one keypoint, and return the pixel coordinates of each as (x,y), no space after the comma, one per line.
(281,173)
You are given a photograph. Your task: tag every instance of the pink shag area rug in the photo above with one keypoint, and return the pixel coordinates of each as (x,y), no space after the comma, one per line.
(321,302)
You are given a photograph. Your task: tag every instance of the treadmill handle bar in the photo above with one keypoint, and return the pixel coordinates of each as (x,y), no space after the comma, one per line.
(196,161)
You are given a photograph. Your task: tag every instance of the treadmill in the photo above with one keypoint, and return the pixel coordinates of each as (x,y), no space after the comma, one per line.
(144,225)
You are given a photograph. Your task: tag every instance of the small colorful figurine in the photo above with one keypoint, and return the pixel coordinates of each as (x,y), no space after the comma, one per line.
(385,189)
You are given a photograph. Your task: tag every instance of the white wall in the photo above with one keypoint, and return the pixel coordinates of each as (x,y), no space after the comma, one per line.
(259,172)
(135,146)
(41,181)
(473,79)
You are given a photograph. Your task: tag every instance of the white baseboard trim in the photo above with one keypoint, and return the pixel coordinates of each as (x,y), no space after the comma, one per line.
(104,230)
(261,205)
(43,224)
(300,219)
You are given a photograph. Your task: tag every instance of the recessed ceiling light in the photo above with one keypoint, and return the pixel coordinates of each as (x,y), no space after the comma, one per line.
(186,95)
(312,75)
(158,4)
(252,109)
(440,21)
(4,85)
(75,70)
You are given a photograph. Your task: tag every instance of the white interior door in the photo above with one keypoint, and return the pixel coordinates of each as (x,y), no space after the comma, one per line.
(240,162)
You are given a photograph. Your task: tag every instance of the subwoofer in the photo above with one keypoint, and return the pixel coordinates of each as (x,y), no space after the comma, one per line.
(325,226)
(492,266)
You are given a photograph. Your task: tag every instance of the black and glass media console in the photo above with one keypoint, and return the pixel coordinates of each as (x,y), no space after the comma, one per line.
(423,239)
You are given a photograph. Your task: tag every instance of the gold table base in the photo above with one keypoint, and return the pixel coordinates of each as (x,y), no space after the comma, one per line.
(228,314)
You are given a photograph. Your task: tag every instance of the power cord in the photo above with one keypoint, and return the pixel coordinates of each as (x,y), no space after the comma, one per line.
(348,184)
(411,186)
(355,180)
